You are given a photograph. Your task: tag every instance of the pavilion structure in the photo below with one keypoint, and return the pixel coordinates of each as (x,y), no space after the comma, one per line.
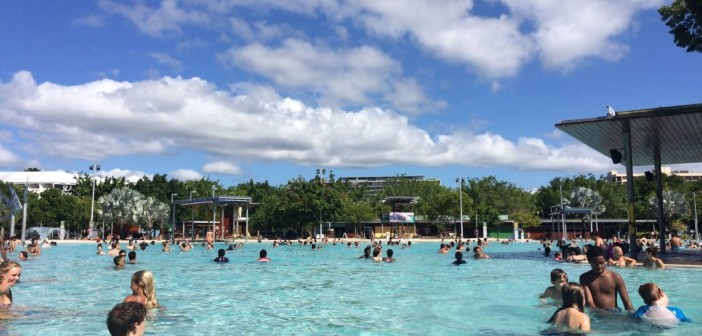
(654,136)
(230,213)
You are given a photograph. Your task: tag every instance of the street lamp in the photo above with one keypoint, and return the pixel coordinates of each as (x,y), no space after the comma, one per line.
(214,204)
(192,217)
(173,218)
(94,167)
(321,179)
(460,200)
(697,232)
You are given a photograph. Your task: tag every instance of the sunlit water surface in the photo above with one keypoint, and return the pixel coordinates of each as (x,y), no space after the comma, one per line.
(68,290)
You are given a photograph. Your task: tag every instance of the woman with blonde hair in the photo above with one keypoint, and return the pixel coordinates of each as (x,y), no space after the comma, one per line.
(571,315)
(10,273)
(143,289)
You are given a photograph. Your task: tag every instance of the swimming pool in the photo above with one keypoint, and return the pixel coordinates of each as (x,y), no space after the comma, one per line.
(69,289)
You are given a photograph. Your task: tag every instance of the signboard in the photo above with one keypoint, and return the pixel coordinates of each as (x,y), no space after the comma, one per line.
(401,217)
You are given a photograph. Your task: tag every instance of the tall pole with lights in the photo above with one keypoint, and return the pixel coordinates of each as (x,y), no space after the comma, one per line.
(460,201)
(173,217)
(697,232)
(192,217)
(95,167)
(214,188)
(323,171)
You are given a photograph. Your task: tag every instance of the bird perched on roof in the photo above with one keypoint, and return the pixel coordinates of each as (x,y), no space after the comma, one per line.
(610,112)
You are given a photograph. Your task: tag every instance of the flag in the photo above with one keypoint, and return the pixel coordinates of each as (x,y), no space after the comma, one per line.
(15,204)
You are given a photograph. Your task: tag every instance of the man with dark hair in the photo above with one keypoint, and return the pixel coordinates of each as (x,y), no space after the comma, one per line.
(602,285)
(127,319)
(132,257)
(220,257)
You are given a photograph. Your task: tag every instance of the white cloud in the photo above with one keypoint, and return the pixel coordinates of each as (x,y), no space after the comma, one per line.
(337,76)
(155,21)
(166,59)
(7,158)
(129,175)
(221,167)
(185,175)
(107,118)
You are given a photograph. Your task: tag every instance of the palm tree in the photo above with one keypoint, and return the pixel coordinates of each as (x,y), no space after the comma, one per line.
(674,205)
(151,211)
(120,207)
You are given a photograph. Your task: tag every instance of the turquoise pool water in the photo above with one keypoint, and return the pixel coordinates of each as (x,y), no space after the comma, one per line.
(68,290)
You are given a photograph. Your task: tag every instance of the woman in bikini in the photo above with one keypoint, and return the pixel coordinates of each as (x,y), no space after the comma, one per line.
(10,273)
(143,289)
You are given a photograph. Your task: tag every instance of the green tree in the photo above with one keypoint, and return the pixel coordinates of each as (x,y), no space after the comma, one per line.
(120,208)
(674,206)
(684,17)
(152,211)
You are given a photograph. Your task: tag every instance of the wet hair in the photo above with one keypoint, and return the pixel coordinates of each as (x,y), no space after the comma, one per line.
(132,255)
(595,252)
(573,296)
(6,266)
(145,280)
(459,255)
(123,318)
(376,252)
(653,251)
(24,254)
(263,253)
(117,260)
(617,248)
(390,253)
(650,293)
(221,252)
(556,274)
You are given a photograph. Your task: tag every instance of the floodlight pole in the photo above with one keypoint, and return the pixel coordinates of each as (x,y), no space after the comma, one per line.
(192,217)
(697,232)
(93,167)
(460,202)
(173,218)
(214,205)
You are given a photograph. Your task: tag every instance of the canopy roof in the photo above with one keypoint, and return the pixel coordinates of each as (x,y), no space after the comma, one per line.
(676,129)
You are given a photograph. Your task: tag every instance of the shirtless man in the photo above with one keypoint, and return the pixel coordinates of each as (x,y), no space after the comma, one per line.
(675,242)
(602,285)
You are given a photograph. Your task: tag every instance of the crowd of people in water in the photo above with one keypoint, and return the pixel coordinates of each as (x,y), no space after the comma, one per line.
(597,288)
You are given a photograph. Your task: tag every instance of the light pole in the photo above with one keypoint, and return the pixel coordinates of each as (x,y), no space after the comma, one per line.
(192,217)
(321,180)
(173,218)
(460,201)
(214,188)
(697,232)
(94,167)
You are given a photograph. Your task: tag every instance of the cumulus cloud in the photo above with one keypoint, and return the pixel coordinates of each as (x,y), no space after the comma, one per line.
(8,158)
(337,76)
(166,116)
(185,175)
(221,167)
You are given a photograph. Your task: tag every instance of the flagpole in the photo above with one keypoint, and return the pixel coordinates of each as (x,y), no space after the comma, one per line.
(24,211)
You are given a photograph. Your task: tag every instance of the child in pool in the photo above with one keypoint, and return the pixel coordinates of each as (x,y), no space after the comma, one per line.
(559,278)
(571,314)
(656,311)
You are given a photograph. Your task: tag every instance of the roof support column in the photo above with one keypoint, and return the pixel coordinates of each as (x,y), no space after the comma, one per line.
(626,134)
(659,193)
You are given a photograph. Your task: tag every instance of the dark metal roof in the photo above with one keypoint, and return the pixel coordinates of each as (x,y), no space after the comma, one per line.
(235,200)
(677,129)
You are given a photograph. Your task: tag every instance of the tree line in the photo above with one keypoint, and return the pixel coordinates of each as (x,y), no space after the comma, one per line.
(296,207)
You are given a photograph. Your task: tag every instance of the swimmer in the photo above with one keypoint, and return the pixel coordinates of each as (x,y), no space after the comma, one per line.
(143,289)
(99,249)
(166,247)
(366,253)
(263,256)
(559,278)
(656,311)
(119,262)
(602,285)
(572,313)
(389,257)
(459,258)
(132,257)
(376,255)
(652,260)
(127,319)
(10,273)
(114,249)
(220,257)
(619,259)
(479,254)
(23,255)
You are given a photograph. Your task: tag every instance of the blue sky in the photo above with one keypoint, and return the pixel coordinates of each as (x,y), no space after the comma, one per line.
(271,90)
